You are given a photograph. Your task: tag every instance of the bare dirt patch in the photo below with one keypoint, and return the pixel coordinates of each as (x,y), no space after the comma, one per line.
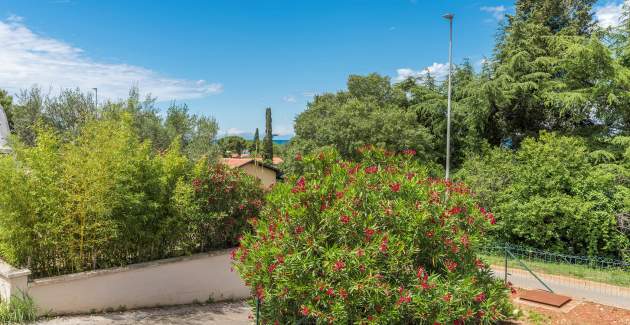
(576,312)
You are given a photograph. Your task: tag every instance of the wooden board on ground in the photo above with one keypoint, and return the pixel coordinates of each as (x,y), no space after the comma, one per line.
(546,298)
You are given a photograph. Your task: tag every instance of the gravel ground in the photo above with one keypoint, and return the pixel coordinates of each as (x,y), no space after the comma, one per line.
(236,313)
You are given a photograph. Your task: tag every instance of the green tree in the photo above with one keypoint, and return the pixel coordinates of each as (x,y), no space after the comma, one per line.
(556,193)
(550,72)
(268,140)
(255,145)
(567,16)
(232,145)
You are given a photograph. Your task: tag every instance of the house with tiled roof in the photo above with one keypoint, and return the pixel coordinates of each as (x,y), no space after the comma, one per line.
(268,174)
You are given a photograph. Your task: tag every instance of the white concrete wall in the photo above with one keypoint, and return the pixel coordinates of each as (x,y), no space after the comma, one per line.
(267,176)
(12,281)
(160,283)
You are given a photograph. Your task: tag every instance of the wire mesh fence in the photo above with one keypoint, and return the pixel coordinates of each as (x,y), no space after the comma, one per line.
(597,279)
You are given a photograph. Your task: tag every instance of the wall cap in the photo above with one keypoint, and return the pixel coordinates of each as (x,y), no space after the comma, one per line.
(7,271)
(95,273)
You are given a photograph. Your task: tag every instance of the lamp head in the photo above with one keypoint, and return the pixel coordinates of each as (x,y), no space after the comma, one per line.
(449,16)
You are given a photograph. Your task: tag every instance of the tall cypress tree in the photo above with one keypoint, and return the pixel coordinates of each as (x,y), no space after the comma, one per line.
(268,141)
(255,148)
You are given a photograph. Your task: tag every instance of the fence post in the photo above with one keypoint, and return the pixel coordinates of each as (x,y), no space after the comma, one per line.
(257,311)
(505,273)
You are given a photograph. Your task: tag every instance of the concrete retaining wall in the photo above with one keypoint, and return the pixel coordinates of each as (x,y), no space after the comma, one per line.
(173,281)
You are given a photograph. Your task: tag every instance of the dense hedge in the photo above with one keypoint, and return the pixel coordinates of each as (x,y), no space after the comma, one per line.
(107,199)
(373,242)
(556,193)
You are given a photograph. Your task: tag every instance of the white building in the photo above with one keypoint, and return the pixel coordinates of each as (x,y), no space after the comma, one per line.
(4,132)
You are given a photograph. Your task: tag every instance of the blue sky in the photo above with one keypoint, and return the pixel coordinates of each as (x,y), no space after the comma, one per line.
(231,59)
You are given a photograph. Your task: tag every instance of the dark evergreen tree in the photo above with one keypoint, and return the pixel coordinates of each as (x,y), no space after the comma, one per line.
(549,73)
(255,148)
(268,141)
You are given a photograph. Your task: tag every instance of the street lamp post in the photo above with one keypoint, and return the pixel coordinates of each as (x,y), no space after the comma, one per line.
(95,97)
(448,109)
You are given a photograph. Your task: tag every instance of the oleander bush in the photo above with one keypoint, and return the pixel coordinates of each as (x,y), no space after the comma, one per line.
(370,242)
(107,199)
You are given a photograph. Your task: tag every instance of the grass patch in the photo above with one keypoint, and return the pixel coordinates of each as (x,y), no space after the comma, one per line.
(18,310)
(614,276)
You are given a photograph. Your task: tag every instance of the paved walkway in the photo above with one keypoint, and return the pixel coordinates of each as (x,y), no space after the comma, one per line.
(601,293)
(235,313)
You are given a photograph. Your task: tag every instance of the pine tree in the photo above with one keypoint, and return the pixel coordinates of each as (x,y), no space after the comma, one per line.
(268,141)
(548,72)
(255,148)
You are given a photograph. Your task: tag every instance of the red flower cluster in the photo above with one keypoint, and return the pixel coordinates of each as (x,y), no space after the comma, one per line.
(465,241)
(197,184)
(371,170)
(480,297)
(409,152)
(298,157)
(423,276)
(450,265)
(339,265)
(300,186)
(383,247)
(369,232)
(395,187)
(447,297)
(305,311)
(343,293)
(489,216)
(344,219)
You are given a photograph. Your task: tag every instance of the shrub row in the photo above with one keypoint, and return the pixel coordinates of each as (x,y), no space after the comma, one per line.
(107,199)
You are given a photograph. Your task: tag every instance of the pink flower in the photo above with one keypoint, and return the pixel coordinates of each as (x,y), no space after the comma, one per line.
(465,241)
(480,297)
(450,265)
(339,265)
(383,247)
(260,292)
(395,187)
(304,311)
(330,292)
(455,210)
(371,170)
(300,186)
(491,218)
(369,232)
(344,219)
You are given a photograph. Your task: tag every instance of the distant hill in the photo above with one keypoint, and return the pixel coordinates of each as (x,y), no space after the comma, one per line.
(250,136)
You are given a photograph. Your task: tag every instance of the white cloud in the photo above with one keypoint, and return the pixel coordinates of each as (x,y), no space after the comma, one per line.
(289,99)
(437,70)
(283,130)
(610,14)
(497,12)
(28,59)
(234,131)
